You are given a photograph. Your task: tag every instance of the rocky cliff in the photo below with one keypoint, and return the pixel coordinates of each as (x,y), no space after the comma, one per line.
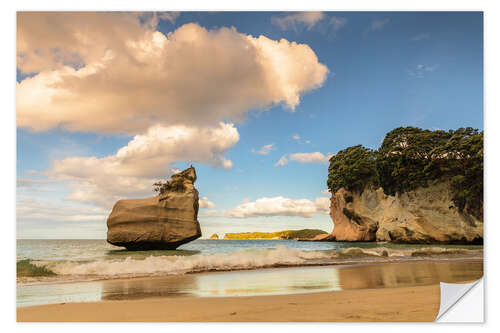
(425,215)
(165,221)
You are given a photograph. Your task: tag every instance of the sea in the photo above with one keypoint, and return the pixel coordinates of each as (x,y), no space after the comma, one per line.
(64,270)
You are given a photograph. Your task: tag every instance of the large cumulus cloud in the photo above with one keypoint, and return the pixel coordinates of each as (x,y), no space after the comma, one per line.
(146,159)
(176,94)
(114,72)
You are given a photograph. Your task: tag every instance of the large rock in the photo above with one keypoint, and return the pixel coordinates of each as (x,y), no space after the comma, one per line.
(162,222)
(425,215)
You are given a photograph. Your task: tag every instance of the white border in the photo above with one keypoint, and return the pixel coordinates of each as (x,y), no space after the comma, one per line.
(492,132)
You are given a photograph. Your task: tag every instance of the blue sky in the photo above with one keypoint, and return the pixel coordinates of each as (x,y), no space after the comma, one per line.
(385,70)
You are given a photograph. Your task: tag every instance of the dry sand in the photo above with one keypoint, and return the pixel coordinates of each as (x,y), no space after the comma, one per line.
(420,303)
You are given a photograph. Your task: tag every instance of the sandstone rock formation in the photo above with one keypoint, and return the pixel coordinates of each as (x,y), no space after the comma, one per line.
(425,215)
(165,221)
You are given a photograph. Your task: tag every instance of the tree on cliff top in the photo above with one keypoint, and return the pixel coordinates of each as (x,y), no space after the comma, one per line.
(353,168)
(176,184)
(404,158)
(411,157)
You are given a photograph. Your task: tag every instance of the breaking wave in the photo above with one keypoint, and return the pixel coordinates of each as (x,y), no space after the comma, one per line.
(160,265)
(238,260)
(29,269)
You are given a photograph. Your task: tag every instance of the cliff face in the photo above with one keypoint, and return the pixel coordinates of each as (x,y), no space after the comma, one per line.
(425,215)
(165,221)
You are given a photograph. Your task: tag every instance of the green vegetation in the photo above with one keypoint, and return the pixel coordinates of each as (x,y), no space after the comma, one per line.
(285,234)
(26,268)
(175,185)
(411,157)
(353,168)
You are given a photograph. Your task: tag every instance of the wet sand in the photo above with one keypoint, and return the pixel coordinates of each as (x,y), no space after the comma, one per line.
(388,304)
(380,292)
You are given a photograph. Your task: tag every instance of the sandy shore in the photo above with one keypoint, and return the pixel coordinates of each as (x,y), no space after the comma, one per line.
(377,292)
(419,303)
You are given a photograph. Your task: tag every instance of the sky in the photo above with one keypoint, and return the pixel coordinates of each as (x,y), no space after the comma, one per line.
(109,103)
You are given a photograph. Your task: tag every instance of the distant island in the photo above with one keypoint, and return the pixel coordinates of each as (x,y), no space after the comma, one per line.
(285,234)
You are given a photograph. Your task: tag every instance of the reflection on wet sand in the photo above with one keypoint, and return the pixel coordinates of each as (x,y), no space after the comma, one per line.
(170,286)
(237,283)
(409,274)
(294,280)
(267,282)
(272,281)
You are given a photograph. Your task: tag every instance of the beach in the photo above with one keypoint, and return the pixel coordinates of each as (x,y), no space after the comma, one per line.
(419,303)
(403,291)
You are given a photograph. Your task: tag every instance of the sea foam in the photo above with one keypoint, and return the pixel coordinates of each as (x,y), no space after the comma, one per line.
(237,260)
(161,265)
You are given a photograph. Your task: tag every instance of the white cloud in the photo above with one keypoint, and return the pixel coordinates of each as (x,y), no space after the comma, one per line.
(33,210)
(205,203)
(29,182)
(322,205)
(420,36)
(377,24)
(145,159)
(337,23)
(297,138)
(315,157)
(420,70)
(279,206)
(318,21)
(282,161)
(326,192)
(169,16)
(209,213)
(89,65)
(265,149)
(291,21)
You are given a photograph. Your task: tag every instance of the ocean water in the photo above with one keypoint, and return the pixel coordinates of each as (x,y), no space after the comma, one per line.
(269,281)
(75,260)
(55,271)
